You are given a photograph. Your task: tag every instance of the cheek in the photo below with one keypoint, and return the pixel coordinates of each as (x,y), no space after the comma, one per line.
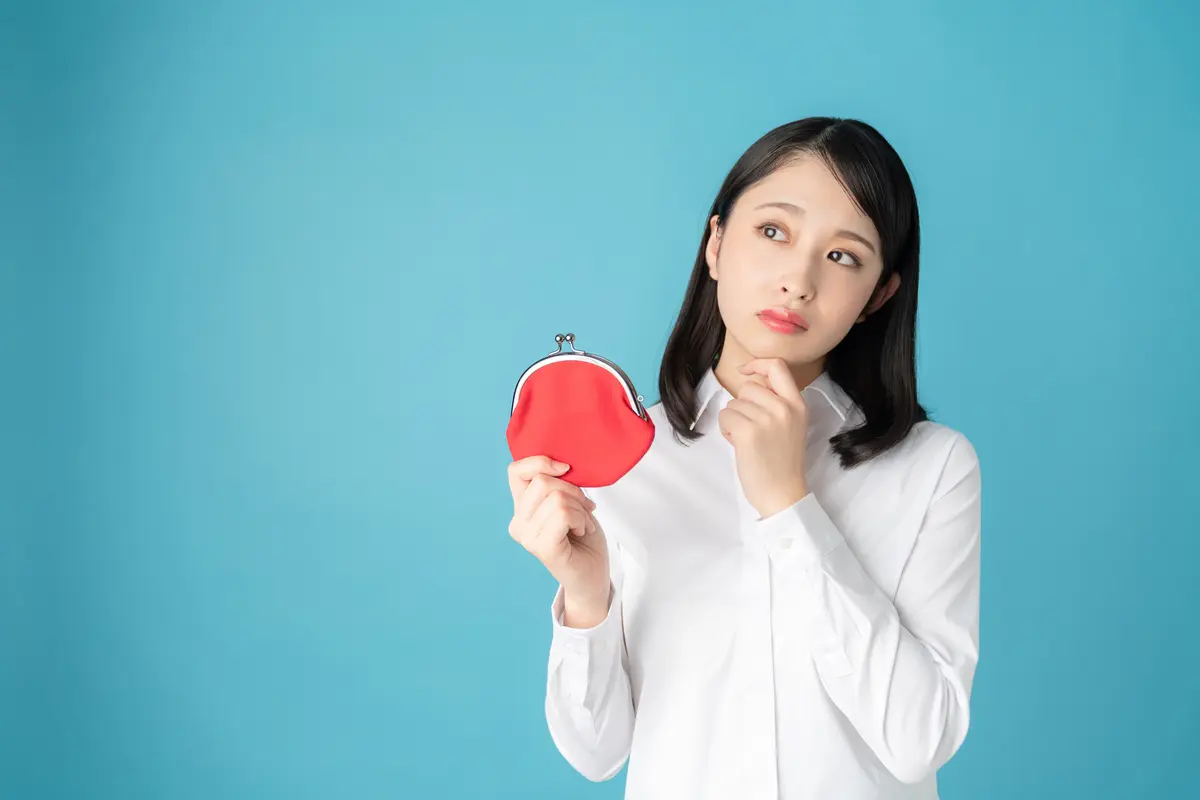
(727,295)
(742,269)
(742,287)
(845,298)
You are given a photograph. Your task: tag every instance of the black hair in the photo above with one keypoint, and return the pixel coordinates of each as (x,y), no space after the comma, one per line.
(875,364)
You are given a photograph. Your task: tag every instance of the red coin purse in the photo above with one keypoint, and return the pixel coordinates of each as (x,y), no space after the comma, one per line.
(581,409)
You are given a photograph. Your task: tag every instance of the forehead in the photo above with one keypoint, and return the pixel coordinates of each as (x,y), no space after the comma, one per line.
(807,182)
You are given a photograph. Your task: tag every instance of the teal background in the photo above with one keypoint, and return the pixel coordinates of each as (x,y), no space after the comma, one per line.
(270,271)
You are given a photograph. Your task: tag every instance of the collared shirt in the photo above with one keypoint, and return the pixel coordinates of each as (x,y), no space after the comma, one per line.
(826,651)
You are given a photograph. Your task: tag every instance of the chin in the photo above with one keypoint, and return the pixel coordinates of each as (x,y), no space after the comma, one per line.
(776,349)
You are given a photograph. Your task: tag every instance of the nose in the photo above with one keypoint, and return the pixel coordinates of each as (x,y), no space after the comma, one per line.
(799,278)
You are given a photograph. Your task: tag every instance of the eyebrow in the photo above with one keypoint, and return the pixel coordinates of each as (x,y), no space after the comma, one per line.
(795,209)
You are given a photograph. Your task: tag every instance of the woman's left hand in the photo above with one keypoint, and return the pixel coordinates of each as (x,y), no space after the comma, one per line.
(767,423)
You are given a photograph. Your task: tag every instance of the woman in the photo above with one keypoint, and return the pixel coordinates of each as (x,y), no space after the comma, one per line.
(781,600)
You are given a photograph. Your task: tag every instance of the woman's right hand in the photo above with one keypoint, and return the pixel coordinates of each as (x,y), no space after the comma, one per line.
(552,519)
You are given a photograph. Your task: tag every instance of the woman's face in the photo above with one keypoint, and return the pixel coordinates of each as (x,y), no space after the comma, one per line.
(794,243)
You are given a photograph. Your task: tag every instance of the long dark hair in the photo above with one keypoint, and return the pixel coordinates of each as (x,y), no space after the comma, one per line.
(875,364)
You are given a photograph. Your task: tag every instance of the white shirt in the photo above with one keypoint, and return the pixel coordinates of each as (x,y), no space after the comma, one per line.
(826,651)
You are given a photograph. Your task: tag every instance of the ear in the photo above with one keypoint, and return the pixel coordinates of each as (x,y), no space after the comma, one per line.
(882,295)
(714,246)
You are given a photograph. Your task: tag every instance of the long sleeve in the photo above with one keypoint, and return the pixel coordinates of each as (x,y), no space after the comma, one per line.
(900,671)
(589,706)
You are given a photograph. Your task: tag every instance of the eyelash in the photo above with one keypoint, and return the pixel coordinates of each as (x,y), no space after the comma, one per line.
(857,261)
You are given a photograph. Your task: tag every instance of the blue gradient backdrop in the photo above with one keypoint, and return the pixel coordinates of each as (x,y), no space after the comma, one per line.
(270,271)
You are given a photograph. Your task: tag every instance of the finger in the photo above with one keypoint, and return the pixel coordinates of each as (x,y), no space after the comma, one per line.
(537,520)
(521,472)
(760,380)
(576,520)
(559,485)
(589,526)
(750,409)
(757,389)
(761,395)
(755,383)
(540,487)
(732,422)
(556,517)
(777,374)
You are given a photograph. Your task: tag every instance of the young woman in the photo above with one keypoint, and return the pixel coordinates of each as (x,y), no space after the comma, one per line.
(781,600)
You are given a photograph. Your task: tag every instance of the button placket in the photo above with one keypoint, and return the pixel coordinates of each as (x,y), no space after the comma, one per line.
(758,658)
(759,764)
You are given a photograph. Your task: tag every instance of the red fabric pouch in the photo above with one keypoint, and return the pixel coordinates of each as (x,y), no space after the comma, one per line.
(583,410)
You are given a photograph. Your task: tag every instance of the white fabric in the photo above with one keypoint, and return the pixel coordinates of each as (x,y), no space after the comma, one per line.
(825,652)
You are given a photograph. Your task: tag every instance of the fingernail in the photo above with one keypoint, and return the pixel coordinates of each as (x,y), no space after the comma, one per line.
(561,467)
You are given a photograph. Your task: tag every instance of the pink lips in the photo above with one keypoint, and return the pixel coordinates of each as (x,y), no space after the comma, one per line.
(783,320)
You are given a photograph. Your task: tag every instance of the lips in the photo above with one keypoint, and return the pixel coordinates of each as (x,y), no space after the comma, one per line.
(783,316)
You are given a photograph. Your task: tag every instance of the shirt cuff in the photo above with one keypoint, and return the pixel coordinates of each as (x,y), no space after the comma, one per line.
(584,656)
(802,533)
(562,632)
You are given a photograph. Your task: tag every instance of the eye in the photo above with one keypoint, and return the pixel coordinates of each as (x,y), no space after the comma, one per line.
(772,232)
(857,262)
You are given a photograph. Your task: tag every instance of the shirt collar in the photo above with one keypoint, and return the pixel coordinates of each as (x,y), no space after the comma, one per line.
(823,386)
